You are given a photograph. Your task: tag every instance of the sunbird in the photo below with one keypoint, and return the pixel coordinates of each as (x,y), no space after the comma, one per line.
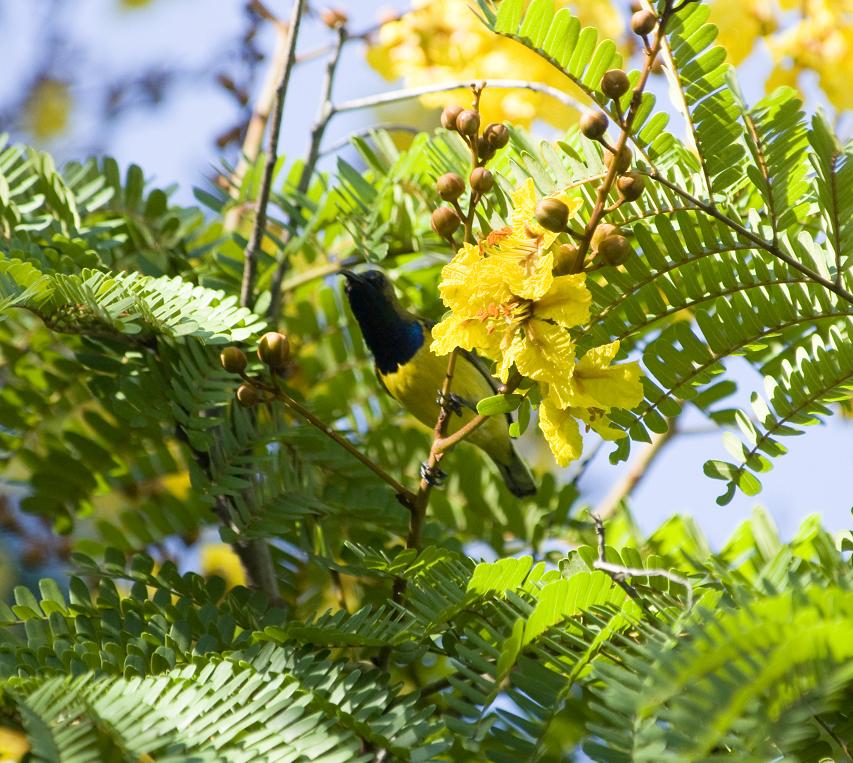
(413,375)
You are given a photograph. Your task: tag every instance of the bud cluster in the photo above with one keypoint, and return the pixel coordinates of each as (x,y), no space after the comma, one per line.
(451,186)
(273,352)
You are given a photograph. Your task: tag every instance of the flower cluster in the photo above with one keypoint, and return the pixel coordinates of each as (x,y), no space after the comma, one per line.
(443,40)
(801,35)
(506,302)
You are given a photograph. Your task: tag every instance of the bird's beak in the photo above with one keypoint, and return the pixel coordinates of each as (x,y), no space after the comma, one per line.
(352,278)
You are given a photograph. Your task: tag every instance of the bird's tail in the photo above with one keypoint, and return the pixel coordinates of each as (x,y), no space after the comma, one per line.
(517,476)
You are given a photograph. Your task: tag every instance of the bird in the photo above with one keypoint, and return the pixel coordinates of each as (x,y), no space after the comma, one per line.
(413,375)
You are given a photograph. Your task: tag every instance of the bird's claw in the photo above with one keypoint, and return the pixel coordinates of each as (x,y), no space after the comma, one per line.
(452,403)
(433,476)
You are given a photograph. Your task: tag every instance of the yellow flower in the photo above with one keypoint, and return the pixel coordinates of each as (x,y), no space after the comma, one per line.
(220,559)
(506,302)
(507,327)
(443,40)
(594,388)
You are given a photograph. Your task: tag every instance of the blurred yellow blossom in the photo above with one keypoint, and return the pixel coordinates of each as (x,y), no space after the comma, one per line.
(47,108)
(814,35)
(14,745)
(443,40)
(822,40)
(220,559)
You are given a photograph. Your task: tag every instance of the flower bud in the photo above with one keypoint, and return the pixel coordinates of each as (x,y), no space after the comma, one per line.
(485,150)
(615,250)
(603,231)
(623,161)
(468,122)
(334,18)
(482,181)
(567,260)
(552,215)
(643,22)
(448,116)
(233,360)
(445,221)
(497,135)
(631,186)
(593,124)
(450,186)
(247,395)
(615,83)
(274,349)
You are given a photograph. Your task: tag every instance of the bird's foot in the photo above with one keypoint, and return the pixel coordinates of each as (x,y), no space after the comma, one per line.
(453,403)
(433,475)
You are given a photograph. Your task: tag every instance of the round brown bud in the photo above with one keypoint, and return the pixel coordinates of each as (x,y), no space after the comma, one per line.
(482,181)
(615,83)
(468,122)
(485,150)
(450,186)
(593,124)
(552,215)
(623,161)
(643,22)
(631,186)
(615,250)
(497,135)
(567,259)
(274,349)
(448,116)
(233,360)
(334,18)
(445,221)
(603,231)
(247,395)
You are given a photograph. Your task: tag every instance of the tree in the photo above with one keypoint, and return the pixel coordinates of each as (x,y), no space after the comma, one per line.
(368,631)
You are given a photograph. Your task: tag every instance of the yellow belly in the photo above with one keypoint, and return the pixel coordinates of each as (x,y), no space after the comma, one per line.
(417,383)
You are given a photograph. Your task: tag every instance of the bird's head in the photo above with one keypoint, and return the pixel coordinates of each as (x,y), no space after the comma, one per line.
(391,332)
(371,294)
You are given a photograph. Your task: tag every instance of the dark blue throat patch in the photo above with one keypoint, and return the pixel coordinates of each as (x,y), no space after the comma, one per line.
(393,339)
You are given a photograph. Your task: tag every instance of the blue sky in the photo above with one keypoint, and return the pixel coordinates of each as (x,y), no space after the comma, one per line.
(174,143)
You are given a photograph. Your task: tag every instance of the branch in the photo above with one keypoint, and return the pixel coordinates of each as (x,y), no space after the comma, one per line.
(618,573)
(250,264)
(405,94)
(599,210)
(749,235)
(317,131)
(405,496)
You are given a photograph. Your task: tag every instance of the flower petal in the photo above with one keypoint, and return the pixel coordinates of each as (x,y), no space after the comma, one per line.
(567,301)
(467,333)
(597,384)
(457,277)
(544,352)
(561,431)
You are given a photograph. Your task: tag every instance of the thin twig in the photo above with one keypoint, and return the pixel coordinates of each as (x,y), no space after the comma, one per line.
(257,124)
(749,235)
(317,132)
(405,94)
(625,124)
(638,470)
(618,573)
(250,264)
(403,494)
